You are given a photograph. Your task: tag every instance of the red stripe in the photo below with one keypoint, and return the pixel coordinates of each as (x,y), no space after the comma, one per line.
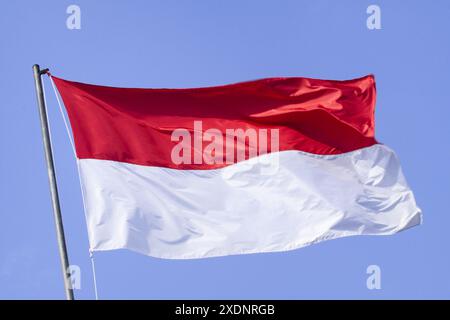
(135,125)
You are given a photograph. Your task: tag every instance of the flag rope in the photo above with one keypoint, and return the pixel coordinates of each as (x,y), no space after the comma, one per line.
(66,124)
(91,256)
(62,114)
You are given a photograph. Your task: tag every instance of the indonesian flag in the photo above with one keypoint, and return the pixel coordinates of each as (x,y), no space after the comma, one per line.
(267,165)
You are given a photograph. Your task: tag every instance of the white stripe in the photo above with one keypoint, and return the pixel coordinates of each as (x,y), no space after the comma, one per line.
(245,208)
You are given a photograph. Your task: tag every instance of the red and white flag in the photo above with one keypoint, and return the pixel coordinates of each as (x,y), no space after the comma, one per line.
(266,165)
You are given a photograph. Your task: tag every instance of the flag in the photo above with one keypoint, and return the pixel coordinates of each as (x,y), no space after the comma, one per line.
(260,166)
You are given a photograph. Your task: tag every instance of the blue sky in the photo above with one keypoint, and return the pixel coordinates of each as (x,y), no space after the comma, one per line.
(204,43)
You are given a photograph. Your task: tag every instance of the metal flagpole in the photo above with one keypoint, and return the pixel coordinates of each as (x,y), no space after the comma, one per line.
(52,180)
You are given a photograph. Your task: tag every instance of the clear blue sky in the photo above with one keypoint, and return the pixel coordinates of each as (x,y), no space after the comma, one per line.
(203,43)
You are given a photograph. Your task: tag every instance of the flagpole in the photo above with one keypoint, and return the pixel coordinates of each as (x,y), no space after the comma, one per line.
(52,180)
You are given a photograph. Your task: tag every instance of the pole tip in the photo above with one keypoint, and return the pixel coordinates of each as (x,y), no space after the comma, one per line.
(38,70)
